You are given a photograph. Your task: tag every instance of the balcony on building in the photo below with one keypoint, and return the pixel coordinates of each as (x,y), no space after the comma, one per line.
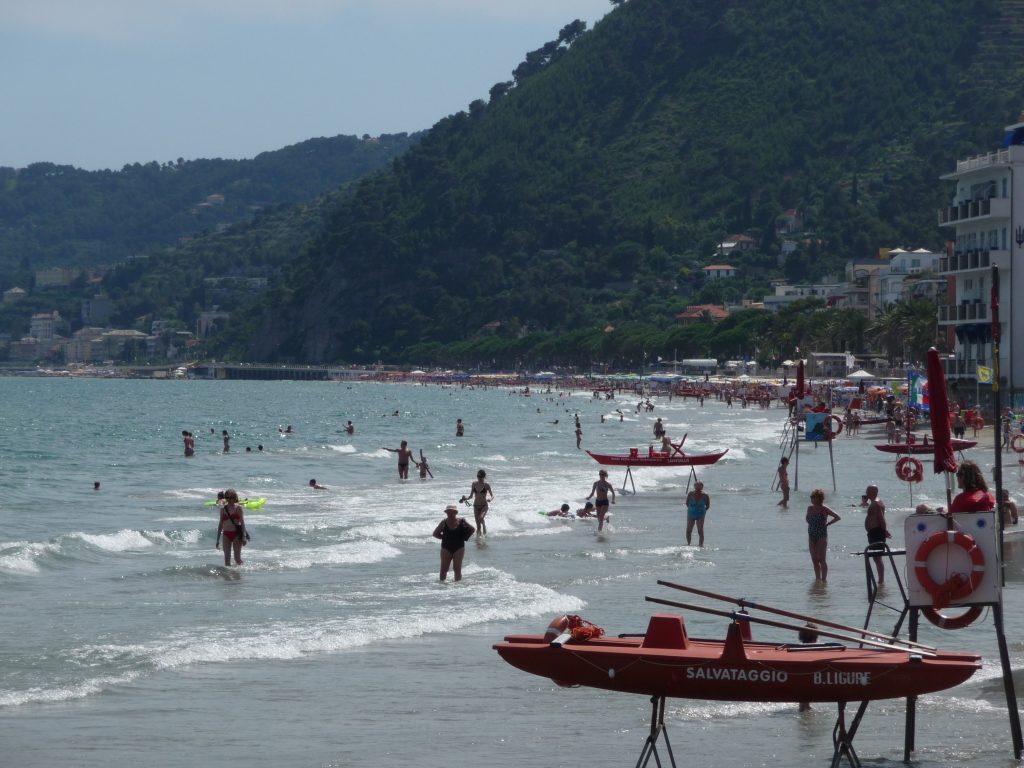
(955,367)
(962,313)
(974,210)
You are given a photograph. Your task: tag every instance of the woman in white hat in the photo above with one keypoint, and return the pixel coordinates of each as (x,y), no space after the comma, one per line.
(453,532)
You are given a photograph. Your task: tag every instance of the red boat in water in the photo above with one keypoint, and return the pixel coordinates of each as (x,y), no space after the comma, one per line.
(666,662)
(925,446)
(656,458)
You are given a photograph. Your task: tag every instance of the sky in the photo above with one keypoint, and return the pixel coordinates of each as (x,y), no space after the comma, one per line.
(105,83)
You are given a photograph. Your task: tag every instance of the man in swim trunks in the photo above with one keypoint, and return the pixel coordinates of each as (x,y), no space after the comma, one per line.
(697,505)
(350,428)
(601,489)
(480,490)
(190,443)
(404,455)
(874,524)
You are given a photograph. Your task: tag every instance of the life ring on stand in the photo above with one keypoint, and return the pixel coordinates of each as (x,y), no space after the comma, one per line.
(957,586)
(1017,443)
(952,622)
(839,424)
(910,470)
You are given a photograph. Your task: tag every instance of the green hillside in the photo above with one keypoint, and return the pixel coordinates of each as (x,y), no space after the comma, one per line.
(593,190)
(54,215)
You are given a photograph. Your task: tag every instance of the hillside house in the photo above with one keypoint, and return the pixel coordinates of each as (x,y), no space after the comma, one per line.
(719,271)
(700,313)
(734,243)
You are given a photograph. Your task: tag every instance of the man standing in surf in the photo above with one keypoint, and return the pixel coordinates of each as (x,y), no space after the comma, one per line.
(601,488)
(404,455)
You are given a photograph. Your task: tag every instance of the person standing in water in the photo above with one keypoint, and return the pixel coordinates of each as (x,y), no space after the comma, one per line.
(453,532)
(819,518)
(601,488)
(227,441)
(783,473)
(697,505)
(404,456)
(460,428)
(190,443)
(480,490)
(232,527)
(878,531)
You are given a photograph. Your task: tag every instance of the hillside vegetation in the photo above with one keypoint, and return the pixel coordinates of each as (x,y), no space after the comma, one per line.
(590,191)
(55,215)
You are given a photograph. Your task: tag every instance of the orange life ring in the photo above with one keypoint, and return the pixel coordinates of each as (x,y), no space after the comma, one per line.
(839,424)
(956,587)
(952,622)
(910,470)
(558,626)
(576,626)
(1017,443)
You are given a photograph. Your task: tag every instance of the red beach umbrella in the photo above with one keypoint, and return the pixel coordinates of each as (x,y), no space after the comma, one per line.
(939,413)
(800,379)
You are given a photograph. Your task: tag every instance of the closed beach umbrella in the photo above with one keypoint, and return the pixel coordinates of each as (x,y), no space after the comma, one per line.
(800,379)
(939,414)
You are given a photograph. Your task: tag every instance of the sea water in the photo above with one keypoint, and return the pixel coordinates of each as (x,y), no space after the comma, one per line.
(125,641)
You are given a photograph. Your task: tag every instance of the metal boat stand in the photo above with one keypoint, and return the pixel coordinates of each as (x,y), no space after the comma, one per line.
(842,737)
(902,608)
(657,731)
(629,476)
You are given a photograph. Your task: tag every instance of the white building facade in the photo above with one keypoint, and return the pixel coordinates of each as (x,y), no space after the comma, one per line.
(984,227)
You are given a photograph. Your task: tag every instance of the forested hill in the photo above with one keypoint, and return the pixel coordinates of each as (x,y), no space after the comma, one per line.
(55,215)
(593,188)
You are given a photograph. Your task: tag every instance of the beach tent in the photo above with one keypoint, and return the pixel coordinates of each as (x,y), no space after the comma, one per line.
(861,374)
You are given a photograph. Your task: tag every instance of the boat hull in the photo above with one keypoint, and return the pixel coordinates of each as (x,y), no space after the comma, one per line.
(739,671)
(922,448)
(659,459)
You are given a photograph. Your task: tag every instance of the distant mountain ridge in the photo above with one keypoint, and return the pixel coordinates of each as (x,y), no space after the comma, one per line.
(60,215)
(592,192)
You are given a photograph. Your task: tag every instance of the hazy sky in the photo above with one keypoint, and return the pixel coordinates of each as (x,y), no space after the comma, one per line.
(102,83)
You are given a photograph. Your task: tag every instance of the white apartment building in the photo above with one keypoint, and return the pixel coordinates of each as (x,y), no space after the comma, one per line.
(984,225)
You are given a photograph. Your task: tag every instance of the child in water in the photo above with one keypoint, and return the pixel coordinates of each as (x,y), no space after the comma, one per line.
(783,472)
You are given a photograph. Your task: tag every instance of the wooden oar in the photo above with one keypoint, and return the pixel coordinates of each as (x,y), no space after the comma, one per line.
(779,612)
(737,616)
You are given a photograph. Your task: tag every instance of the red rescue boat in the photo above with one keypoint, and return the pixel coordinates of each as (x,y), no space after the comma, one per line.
(665,662)
(656,458)
(923,447)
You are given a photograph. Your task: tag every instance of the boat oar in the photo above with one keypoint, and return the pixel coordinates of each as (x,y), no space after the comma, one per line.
(779,612)
(737,616)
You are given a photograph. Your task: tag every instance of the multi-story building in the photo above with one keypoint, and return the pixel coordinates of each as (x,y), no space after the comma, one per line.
(983,227)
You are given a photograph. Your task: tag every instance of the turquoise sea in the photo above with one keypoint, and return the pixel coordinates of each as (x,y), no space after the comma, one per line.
(125,642)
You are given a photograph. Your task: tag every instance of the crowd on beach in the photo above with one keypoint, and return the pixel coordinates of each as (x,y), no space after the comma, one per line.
(454,531)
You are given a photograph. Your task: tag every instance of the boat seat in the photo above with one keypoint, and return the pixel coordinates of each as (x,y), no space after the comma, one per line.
(665,630)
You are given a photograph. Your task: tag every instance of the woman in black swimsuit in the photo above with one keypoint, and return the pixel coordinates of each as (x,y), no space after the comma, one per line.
(453,532)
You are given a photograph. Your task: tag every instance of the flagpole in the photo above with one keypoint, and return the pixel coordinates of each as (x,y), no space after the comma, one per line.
(1009,686)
